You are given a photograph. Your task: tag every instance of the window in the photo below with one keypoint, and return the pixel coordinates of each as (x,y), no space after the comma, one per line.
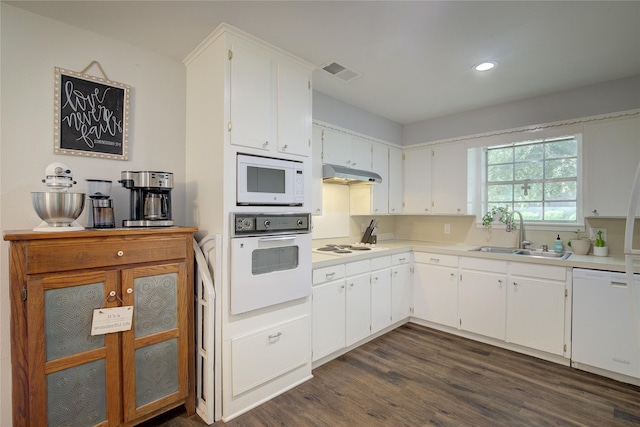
(537,178)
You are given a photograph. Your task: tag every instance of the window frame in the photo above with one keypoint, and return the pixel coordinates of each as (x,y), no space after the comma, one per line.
(477,173)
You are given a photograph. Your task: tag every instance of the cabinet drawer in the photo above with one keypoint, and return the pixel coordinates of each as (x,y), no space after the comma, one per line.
(269,353)
(328,274)
(483,264)
(403,258)
(380,263)
(43,257)
(436,259)
(550,272)
(358,267)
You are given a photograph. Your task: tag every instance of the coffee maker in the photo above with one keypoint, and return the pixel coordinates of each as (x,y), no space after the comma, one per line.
(150,198)
(100,204)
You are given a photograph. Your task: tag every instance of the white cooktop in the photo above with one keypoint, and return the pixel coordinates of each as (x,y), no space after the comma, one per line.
(346,250)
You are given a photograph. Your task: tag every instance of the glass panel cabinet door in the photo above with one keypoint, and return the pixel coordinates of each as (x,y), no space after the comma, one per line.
(73,372)
(155,350)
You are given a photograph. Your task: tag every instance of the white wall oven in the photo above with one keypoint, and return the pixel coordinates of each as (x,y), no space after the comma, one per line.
(265,181)
(270,259)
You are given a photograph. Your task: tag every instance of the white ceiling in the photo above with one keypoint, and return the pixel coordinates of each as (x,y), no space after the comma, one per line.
(415,57)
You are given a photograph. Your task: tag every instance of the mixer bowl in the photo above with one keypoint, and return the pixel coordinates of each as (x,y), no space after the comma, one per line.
(58,209)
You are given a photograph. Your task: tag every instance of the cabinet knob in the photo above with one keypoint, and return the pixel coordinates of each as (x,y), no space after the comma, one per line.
(266,144)
(284,147)
(595,211)
(500,281)
(515,284)
(351,284)
(341,286)
(120,253)
(130,290)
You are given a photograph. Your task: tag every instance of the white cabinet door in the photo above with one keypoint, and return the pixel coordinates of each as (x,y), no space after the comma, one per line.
(380,192)
(395,180)
(401,292)
(336,149)
(612,153)
(294,110)
(252,104)
(417,181)
(316,171)
(435,294)
(328,318)
(449,179)
(380,299)
(358,311)
(360,154)
(482,304)
(535,314)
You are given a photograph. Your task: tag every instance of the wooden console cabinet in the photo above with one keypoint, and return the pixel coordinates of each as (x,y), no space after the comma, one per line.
(63,375)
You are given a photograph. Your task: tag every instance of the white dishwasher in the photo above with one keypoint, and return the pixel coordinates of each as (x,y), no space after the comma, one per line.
(603,332)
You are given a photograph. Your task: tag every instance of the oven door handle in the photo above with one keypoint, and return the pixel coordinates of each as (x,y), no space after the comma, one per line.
(276,239)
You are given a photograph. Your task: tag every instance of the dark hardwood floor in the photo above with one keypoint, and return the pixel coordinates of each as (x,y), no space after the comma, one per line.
(415,376)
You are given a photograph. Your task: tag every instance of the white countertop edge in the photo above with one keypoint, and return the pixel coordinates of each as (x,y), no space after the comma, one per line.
(610,263)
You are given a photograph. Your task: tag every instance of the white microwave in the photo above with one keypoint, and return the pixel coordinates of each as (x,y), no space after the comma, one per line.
(265,181)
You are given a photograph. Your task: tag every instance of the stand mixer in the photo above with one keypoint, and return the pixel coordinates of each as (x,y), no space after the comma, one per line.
(58,208)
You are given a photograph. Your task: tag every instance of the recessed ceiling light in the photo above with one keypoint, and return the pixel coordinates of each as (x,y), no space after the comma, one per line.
(485,66)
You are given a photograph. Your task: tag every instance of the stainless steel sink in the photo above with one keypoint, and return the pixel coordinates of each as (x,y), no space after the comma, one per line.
(495,249)
(542,254)
(522,252)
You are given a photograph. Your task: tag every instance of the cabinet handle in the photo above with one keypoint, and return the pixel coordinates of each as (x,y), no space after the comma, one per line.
(515,284)
(500,281)
(266,144)
(120,253)
(435,260)
(351,284)
(284,147)
(452,274)
(402,259)
(330,275)
(278,335)
(341,286)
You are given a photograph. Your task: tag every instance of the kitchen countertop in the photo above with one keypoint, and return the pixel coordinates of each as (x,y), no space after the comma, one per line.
(610,263)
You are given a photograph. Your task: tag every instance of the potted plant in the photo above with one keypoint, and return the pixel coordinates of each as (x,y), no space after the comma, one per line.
(501,213)
(599,247)
(581,244)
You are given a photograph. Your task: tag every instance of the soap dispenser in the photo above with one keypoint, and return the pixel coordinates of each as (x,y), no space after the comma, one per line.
(557,245)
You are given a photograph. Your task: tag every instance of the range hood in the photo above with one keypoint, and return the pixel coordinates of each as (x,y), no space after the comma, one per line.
(336,174)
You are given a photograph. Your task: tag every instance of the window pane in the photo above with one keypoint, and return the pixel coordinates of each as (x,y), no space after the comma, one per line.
(500,173)
(530,211)
(529,170)
(498,193)
(560,190)
(564,168)
(528,152)
(499,155)
(560,211)
(534,192)
(564,148)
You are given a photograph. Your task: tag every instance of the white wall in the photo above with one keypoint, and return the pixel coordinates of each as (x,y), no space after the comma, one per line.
(601,98)
(31,46)
(330,110)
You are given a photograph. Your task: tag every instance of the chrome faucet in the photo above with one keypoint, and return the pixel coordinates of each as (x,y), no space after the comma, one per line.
(522,242)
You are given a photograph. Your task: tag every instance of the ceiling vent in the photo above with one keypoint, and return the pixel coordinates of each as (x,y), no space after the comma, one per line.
(340,71)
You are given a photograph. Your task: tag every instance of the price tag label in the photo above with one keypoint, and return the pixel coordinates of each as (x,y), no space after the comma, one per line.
(108,320)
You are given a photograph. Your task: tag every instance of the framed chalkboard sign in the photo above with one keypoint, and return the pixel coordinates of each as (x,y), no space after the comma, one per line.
(91,116)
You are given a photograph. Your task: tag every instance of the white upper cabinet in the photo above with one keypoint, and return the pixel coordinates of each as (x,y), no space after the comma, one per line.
(336,149)
(395,180)
(316,171)
(346,150)
(380,192)
(294,110)
(417,181)
(252,97)
(449,179)
(611,153)
(270,101)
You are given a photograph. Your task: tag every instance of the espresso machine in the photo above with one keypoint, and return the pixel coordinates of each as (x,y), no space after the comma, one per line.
(100,204)
(150,198)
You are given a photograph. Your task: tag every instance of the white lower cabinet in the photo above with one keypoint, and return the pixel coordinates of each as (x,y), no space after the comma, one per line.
(281,347)
(380,293)
(401,287)
(483,296)
(436,288)
(536,304)
(329,310)
(358,308)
